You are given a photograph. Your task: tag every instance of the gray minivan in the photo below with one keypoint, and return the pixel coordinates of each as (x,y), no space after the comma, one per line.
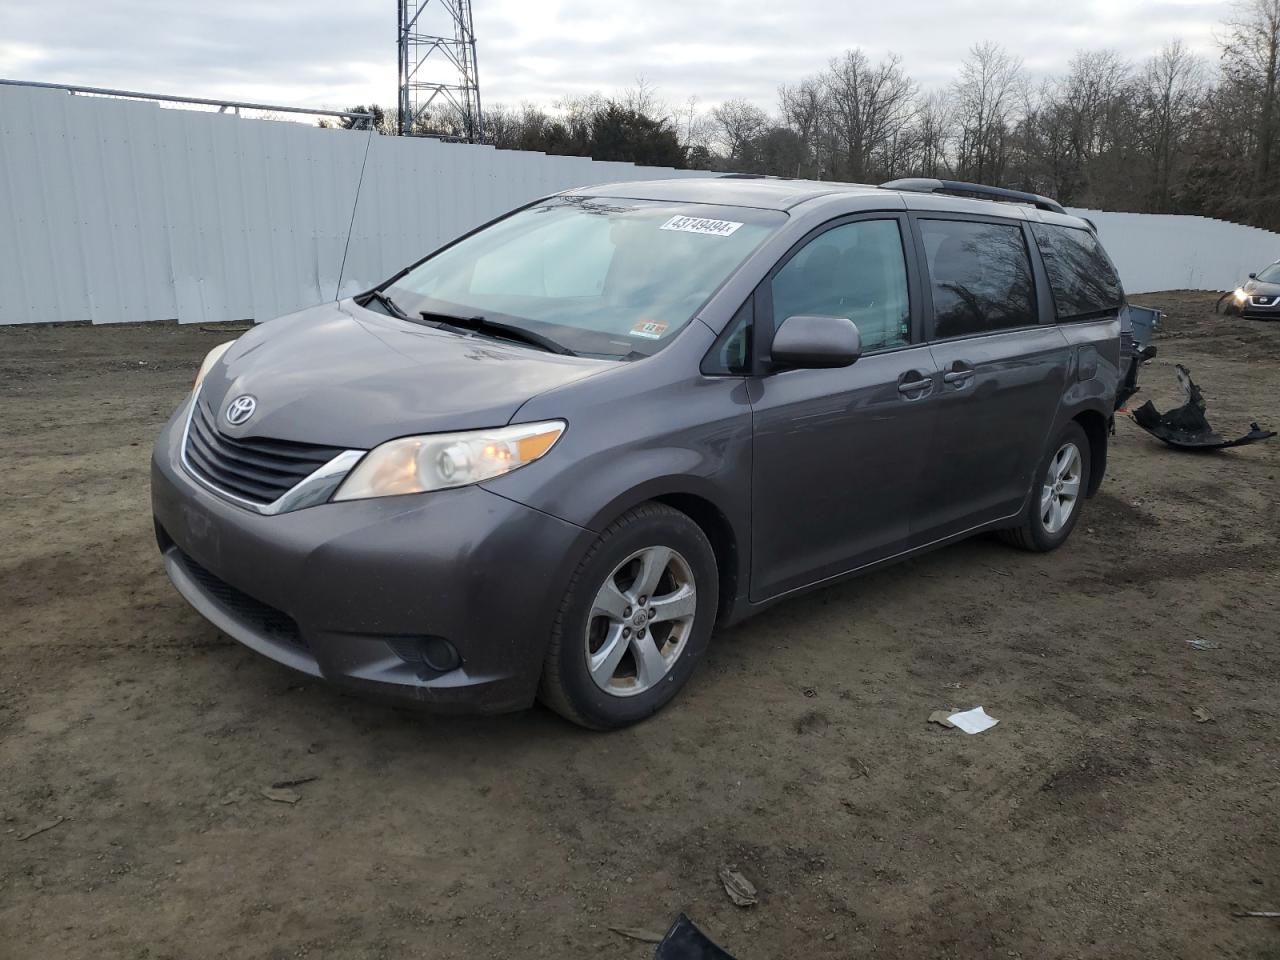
(547,460)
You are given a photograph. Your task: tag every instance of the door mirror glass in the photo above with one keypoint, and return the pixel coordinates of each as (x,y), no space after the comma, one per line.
(808,342)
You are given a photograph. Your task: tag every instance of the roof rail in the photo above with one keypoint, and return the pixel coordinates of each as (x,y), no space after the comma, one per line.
(929,185)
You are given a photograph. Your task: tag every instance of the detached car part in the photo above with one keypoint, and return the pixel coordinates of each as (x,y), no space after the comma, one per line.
(1138,326)
(1186,427)
(684,941)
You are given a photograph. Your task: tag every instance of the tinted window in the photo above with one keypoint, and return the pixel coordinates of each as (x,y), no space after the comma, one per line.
(1083,281)
(856,270)
(980,275)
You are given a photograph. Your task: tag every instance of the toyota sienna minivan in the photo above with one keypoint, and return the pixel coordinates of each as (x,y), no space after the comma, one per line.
(549,459)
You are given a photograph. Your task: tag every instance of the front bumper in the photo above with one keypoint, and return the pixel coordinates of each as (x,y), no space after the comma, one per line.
(348,591)
(1260,311)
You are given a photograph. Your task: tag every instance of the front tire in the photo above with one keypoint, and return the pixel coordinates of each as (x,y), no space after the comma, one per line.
(636,617)
(1058,494)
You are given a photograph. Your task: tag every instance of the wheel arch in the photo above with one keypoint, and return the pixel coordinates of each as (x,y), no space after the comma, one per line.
(1095,427)
(703,507)
(724,542)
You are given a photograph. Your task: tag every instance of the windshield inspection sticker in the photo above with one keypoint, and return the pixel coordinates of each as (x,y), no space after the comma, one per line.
(716,228)
(649,329)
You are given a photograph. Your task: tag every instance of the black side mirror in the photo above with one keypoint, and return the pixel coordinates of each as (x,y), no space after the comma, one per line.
(816,343)
(1253,276)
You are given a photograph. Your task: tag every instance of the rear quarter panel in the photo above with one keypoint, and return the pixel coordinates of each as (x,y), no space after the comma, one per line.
(1096,366)
(1095,377)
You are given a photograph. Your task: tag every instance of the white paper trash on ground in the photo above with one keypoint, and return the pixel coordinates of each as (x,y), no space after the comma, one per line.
(973,721)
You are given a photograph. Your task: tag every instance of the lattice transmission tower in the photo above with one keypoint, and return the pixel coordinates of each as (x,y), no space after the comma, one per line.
(437,43)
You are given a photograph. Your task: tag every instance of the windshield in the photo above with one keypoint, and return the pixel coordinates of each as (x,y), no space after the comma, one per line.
(597,275)
(1270,274)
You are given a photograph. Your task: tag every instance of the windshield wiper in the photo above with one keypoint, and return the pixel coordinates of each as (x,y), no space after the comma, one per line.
(496,328)
(387,302)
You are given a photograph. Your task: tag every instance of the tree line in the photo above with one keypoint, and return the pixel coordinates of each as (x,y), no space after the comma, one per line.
(1171,134)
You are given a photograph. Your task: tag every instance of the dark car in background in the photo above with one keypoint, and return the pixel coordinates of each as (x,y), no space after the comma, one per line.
(547,460)
(1259,297)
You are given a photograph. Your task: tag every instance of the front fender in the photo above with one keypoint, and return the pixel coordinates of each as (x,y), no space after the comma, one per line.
(713,489)
(654,429)
(665,487)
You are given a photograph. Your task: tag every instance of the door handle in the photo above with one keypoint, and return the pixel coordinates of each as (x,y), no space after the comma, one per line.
(918,384)
(959,374)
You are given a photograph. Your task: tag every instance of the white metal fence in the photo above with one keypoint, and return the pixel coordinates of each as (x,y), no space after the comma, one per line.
(115,211)
(1156,251)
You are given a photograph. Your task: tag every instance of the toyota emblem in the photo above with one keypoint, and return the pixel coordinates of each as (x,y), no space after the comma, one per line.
(241,409)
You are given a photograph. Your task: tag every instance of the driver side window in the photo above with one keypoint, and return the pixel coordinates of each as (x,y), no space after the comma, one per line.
(856,270)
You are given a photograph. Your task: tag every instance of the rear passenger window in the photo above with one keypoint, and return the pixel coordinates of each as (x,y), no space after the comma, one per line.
(856,270)
(1083,281)
(980,275)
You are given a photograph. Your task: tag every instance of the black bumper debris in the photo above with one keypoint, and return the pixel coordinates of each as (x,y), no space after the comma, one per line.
(684,941)
(1129,383)
(1186,427)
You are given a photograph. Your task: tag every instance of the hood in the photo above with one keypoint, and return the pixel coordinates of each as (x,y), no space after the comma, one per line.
(343,376)
(1261,288)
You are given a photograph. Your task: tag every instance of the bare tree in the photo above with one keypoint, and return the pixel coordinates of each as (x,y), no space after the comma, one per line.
(1164,135)
(738,125)
(643,98)
(933,127)
(502,126)
(804,107)
(869,104)
(582,108)
(1093,93)
(1251,57)
(1046,162)
(1095,99)
(698,130)
(986,94)
(1167,94)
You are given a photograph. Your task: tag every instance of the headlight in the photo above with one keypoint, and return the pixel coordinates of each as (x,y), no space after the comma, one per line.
(210,359)
(443,460)
(1240,295)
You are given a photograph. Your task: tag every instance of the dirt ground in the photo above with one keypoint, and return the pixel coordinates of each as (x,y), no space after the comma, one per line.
(1100,819)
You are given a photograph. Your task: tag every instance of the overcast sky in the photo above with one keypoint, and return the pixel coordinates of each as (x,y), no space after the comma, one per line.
(342,52)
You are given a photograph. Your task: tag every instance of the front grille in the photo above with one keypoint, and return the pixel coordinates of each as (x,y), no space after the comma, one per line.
(264,619)
(1261,301)
(252,468)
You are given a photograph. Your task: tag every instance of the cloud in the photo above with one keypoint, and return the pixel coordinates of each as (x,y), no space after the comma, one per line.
(337,53)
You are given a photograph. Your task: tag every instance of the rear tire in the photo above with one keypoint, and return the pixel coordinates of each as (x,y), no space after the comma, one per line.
(1057,496)
(637,615)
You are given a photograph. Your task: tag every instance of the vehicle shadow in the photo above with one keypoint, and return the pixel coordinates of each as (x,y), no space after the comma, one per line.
(807,634)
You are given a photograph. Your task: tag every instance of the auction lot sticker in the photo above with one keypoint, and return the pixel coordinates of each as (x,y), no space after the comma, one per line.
(716,228)
(649,329)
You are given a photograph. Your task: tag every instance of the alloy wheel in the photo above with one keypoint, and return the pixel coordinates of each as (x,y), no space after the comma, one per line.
(640,621)
(1061,490)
